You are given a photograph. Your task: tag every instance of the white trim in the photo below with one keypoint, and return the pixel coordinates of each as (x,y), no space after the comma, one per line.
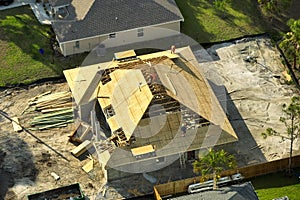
(107,34)
(140,32)
(61,6)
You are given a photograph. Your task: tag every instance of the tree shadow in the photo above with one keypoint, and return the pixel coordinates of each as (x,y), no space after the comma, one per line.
(273,23)
(16,164)
(244,149)
(247,12)
(274,180)
(29,51)
(136,184)
(192,25)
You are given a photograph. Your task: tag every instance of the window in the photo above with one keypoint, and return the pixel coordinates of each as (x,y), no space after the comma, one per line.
(140,32)
(77,44)
(112,35)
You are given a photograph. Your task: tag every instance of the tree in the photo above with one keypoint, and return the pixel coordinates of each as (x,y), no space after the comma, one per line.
(291,120)
(291,42)
(274,6)
(214,162)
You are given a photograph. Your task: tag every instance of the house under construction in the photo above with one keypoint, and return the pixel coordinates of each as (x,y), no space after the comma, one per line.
(145,112)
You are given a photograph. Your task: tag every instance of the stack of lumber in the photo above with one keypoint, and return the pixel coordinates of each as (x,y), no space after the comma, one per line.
(55,110)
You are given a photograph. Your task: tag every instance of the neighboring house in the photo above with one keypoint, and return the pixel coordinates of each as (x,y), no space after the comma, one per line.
(148,111)
(243,191)
(82,25)
(58,8)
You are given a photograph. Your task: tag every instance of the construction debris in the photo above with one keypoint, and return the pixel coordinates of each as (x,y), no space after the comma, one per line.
(55,176)
(257,146)
(135,192)
(16,124)
(83,147)
(72,135)
(89,166)
(55,110)
(27,158)
(80,133)
(103,192)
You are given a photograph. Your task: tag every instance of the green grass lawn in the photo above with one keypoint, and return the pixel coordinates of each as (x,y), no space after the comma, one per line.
(204,23)
(21,37)
(292,191)
(277,185)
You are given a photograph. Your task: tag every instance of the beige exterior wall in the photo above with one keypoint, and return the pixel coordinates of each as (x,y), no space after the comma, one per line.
(149,33)
(173,26)
(86,45)
(121,38)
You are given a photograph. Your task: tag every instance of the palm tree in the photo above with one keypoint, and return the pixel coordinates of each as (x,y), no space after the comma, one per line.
(214,162)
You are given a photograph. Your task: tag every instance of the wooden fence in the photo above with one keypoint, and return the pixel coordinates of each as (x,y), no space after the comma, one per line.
(181,186)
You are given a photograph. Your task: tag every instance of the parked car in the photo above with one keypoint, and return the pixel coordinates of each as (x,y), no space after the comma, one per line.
(6,2)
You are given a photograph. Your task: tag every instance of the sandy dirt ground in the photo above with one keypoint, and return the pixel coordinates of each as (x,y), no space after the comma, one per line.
(26,163)
(256,92)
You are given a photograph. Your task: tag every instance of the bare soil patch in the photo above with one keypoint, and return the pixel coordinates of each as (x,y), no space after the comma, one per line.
(26,164)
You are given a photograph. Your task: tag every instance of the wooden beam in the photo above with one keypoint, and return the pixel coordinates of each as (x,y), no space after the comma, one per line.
(85,132)
(16,124)
(88,166)
(73,132)
(142,150)
(83,147)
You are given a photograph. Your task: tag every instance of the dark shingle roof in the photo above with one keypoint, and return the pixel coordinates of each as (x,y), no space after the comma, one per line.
(110,16)
(243,191)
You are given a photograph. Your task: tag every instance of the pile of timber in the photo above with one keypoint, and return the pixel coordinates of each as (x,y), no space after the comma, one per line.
(55,110)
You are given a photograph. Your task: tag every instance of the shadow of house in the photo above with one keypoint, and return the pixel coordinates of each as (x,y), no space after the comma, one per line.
(246,148)
(6,179)
(276,180)
(243,149)
(16,164)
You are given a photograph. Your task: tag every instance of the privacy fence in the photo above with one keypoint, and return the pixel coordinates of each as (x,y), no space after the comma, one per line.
(181,186)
